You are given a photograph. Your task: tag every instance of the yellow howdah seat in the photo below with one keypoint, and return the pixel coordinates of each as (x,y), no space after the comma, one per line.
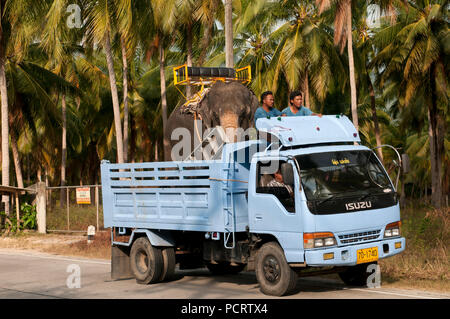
(193,75)
(201,76)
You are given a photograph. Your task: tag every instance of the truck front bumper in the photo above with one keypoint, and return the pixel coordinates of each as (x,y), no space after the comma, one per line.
(347,255)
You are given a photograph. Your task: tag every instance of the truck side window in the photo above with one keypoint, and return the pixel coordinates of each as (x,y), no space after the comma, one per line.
(270,180)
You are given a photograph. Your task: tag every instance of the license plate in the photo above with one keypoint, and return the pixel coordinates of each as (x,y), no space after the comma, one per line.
(367,255)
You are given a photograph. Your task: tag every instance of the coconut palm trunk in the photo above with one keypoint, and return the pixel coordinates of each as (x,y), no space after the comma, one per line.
(375,119)
(229,60)
(115,97)
(189,54)
(163,94)
(16,158)
(436,148)
(306,90)
(62,198)
(5,122)
(125,100)
(351,65)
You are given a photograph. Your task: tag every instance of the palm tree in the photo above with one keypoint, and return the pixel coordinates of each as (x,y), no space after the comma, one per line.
(412,55)
(102,18)
(342,37)
(305,53)
(163,19)
(5,27)
(254,27)
(16,28)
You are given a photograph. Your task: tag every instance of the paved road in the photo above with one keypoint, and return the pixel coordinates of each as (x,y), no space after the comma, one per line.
(25,274)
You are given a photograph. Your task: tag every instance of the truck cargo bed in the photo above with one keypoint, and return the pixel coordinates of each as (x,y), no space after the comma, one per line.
(208,196)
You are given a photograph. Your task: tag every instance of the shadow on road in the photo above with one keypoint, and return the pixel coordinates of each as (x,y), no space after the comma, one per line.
(308,284)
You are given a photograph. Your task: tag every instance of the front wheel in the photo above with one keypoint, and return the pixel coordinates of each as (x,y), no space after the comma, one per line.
(356,275)
(274,274)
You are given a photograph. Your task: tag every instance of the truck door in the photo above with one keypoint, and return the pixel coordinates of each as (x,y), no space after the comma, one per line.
(272,205)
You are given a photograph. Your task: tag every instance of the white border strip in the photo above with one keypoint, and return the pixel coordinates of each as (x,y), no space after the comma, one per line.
(391,293)
(57,258)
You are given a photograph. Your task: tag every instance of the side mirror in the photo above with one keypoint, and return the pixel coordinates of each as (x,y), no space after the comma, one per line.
(288,173)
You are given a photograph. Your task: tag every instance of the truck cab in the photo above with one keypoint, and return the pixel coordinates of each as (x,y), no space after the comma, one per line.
(344,209)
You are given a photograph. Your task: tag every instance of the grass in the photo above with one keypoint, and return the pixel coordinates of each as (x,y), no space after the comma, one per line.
(80,217)
(425,263)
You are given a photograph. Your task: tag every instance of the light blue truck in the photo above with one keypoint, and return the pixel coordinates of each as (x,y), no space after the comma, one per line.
(306,199)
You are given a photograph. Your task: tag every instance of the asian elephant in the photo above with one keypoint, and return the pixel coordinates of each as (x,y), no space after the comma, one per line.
(229,105)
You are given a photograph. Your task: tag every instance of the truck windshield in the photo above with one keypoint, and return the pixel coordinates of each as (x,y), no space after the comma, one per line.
(356,175)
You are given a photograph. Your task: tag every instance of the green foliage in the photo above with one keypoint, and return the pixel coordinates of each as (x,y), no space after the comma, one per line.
(29,216)
(27,220)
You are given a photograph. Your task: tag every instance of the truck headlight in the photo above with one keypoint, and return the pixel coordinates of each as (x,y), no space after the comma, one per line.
(317,240)
(392,229)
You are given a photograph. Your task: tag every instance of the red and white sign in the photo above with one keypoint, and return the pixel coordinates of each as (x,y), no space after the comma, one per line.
(83,195)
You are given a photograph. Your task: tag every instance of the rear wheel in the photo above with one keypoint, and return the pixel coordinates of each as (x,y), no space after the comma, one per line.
(274,274)
(356,275)
(146,261)
(168,271)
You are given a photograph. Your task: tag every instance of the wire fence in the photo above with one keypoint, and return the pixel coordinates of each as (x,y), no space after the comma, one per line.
(74,208)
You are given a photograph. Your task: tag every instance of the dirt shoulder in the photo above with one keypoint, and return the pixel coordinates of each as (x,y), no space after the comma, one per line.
(61,244)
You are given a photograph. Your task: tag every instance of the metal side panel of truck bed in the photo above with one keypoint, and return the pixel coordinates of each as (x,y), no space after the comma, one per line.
(191,196)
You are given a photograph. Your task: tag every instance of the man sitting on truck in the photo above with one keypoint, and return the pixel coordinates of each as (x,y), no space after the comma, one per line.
(267,109)
(296,108)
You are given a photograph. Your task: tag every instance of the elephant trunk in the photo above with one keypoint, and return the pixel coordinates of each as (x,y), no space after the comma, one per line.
(229,121)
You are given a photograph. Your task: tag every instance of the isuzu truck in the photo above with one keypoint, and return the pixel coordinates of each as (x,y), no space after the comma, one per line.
(307,199)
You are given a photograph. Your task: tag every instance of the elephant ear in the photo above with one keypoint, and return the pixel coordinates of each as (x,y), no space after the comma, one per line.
(254,104)
(207,111)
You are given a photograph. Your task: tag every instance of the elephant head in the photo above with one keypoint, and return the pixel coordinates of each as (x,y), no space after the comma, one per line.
(229,105)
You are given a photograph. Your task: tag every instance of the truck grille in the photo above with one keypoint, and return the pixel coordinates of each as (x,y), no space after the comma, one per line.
(359,237)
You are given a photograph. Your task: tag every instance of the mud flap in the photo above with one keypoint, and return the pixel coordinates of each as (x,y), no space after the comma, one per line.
(120,263)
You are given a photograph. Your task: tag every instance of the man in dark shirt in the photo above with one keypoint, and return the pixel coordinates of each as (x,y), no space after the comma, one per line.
(267,109)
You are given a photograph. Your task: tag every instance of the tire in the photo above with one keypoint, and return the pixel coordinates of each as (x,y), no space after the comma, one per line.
(146,262)
(225,268)
(356,275)
(275,276)
(168,271)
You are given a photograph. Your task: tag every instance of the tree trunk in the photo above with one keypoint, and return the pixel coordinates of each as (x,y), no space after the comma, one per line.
(375,120)
(125,100)
(189,54)
(115,98)
(28,170)
(5,123)
(18,169)
(306,90)
(132,139)
(62,196)
(435,149)
(163,94)
(351,66)
(229,59)
(39,173)
(435,199)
